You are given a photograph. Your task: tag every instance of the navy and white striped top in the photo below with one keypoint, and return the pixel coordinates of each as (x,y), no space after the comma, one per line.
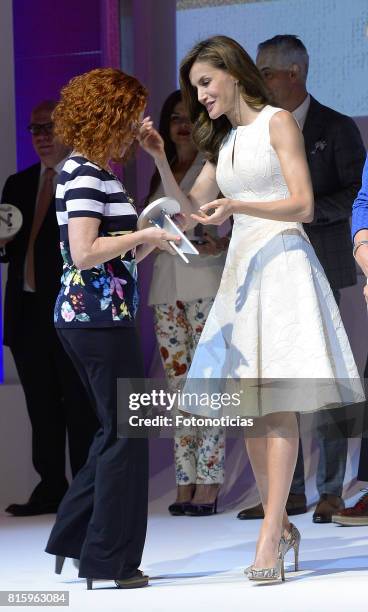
(106,295)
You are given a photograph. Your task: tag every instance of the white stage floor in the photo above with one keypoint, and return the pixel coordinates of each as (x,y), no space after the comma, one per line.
(196,565)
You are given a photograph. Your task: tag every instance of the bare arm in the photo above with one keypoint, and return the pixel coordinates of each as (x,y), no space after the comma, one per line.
(89,250)
(205,187)
(287,140)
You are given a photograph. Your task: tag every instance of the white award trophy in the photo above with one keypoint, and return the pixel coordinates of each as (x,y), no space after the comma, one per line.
(159,214)
(11,220)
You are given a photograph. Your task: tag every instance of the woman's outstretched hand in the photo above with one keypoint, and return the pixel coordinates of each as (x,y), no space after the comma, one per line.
(159,238)
(222,211)
(150,140)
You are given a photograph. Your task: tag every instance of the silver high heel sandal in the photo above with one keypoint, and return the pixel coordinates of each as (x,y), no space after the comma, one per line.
(269,574)
(291,541)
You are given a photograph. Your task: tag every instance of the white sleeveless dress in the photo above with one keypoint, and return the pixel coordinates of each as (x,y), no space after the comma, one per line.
(274,316)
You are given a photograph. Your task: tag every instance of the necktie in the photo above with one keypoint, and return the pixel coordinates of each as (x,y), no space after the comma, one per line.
(43,202)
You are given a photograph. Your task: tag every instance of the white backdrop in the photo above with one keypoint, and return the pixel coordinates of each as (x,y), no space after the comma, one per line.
(335,33)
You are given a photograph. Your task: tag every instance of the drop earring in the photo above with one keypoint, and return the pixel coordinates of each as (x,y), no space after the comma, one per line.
(237,102)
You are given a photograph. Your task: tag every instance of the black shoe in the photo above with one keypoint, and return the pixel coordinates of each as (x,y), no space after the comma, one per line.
(201,509)
(59,562)
(256,512)
(296,504)
(32,508)
(137,581)
(178,509)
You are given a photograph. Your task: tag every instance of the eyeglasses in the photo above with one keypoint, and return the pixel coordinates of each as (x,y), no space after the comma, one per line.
(40,128)
(177,119)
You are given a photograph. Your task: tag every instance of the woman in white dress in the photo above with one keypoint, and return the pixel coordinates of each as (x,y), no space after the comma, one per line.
(274,316)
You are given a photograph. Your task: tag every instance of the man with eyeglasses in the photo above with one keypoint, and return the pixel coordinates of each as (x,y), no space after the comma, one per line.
(56,401)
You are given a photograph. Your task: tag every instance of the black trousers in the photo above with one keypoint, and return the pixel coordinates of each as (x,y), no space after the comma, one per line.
(103,517)
(56,400)
(363,459)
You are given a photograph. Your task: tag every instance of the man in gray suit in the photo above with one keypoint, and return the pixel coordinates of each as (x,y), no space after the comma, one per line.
(336,155)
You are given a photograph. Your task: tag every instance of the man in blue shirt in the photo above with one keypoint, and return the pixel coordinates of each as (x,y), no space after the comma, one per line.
(360,225)
(358,514)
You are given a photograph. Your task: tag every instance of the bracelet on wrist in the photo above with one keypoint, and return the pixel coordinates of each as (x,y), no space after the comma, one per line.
(359,244)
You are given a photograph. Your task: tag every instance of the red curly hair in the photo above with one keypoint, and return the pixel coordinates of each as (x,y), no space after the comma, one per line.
(98,112)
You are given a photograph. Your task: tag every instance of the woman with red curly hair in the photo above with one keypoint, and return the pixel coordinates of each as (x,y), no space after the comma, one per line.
(102,518)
